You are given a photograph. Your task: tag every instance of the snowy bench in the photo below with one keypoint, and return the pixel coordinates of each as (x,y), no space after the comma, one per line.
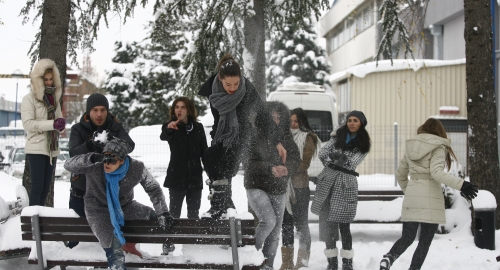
(232,232)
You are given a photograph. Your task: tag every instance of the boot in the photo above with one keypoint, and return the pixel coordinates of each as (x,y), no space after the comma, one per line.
(331,255)
(302,258)
(347,259)
(387,261)
(287,258)
(219,192)
(130,248)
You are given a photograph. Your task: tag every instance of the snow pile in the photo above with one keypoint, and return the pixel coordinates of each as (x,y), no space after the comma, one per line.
(484,200)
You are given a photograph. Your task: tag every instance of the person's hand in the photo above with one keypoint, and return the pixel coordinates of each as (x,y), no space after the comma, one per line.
(281,152)
(96,140)
(279,171)
(59,124)
(468,191)
(173,124)
(97,158)
(166,220)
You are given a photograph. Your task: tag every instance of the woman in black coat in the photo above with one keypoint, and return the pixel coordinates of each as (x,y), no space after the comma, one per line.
(187,141)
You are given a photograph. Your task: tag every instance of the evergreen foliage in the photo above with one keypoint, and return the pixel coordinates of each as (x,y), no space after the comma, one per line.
(293,55)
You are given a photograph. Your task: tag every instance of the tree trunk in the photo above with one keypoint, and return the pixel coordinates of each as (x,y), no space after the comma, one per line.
(53,45)
(255,37)
(481,106)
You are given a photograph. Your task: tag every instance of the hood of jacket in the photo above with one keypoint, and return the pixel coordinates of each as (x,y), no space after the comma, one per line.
(423,144)
(36,75)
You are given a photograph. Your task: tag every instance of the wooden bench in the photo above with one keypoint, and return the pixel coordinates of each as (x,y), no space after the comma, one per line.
(372,195)
(232,232)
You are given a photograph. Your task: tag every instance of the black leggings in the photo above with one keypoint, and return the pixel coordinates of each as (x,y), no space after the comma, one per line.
(222,163)
(346,237)
(427,231)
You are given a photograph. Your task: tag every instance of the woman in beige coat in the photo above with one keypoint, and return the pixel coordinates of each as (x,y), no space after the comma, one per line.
(42,119)
(425,158)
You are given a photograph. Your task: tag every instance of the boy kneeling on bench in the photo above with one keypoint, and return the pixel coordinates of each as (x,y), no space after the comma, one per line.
(111,178)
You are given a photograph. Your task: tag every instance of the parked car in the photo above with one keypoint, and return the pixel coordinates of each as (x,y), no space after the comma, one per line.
(16,161)
(64,144)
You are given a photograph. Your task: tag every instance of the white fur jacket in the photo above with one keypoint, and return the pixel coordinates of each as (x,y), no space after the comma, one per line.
(34,112)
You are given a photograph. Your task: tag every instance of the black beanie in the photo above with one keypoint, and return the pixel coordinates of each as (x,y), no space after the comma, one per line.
(97,99)
(360,115)
(118,147)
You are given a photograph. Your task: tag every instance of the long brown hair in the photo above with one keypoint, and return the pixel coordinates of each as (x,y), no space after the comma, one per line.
(435,127)
(192,114)
(228,67)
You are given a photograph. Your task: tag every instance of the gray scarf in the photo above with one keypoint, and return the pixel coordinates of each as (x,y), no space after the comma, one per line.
(228,128)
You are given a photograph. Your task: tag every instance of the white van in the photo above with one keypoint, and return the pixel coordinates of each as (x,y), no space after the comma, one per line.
(319,105)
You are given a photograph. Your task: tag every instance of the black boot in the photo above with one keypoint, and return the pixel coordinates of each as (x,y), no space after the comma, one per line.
(332,257)
(347,264)
(347,256)
(387,261)
(219,191)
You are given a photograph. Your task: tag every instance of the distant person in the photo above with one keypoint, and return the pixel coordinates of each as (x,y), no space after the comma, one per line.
(267,179)
(426,157)
(297,214)
(96,127)
(336,197)
(235,104)
(42,120)
(187,141)
(109,198)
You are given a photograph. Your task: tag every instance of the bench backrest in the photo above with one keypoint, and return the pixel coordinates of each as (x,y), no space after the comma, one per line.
(184,231)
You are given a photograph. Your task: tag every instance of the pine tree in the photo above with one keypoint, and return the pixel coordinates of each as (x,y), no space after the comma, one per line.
(293,54)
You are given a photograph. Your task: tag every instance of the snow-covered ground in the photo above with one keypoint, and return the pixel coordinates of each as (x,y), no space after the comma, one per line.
(455,250)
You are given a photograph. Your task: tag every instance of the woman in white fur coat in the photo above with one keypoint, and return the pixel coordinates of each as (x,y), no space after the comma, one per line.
(42,120)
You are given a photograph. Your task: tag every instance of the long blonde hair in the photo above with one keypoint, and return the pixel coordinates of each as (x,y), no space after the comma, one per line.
(435,127)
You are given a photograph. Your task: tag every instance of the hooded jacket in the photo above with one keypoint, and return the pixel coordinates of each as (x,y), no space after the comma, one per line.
(264,156)
(34,111)
(424,161)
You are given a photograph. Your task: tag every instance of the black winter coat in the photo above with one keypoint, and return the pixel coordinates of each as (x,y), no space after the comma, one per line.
(250,111)
(186,153)
(82,132)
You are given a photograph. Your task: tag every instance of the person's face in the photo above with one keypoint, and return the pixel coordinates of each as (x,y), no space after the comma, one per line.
(98,115)
(353,124)
(108,167)
(231,84)
(276,117)
(48,80)
(181,111)
(294,122)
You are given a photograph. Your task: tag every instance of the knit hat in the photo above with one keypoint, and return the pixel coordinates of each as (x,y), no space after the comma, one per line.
(118,147)
(97,99)
(360,115)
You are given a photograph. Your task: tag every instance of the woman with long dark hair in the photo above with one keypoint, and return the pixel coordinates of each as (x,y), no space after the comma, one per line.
(235,105)
(297,211)
(426,157)
(336,197)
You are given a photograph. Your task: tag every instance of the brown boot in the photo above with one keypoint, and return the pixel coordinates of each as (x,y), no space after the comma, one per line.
(130,248)
(287,258)
(302,258)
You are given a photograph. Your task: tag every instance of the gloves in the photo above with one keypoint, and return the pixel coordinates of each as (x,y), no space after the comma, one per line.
(468,191)
(166,220)
(338,158)
(59,124)
(97,158)
(99,140)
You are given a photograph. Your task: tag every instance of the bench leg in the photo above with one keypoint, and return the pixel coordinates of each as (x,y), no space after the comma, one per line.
(234,243)
(35,221)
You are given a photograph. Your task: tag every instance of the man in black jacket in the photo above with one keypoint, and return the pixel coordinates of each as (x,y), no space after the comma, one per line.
(96,126)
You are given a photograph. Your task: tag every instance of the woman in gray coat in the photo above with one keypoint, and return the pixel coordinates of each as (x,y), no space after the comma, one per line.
(336,196)
(109,199)
(425,158)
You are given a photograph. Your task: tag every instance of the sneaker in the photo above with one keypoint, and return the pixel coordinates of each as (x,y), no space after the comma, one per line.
(167,248)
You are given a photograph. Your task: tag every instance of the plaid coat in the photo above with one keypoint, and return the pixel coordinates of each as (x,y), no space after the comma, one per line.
(336,197)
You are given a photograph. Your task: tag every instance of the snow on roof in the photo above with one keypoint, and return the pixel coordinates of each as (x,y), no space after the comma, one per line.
(301,86)
(449,108)
(364,69)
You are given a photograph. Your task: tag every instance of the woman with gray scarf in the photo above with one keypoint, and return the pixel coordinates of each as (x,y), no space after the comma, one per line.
(235,105)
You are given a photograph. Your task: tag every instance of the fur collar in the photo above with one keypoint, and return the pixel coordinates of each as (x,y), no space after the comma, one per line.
(36,76)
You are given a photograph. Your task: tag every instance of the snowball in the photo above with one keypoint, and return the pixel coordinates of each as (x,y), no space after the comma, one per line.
(102,137)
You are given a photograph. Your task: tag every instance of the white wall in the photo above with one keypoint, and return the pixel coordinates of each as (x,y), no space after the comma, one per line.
(453,39)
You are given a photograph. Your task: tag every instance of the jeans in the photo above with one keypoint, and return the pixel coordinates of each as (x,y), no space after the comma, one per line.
(427,231)
(115,255)
(193,201)
(299,219)
(41,177)
(269,210)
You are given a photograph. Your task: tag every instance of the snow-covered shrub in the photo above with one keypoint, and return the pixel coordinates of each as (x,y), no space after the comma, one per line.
(451,196)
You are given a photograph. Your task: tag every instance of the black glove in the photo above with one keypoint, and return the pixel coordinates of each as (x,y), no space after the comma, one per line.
(97,158)
(166,220)
(468,191)
(338,158)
